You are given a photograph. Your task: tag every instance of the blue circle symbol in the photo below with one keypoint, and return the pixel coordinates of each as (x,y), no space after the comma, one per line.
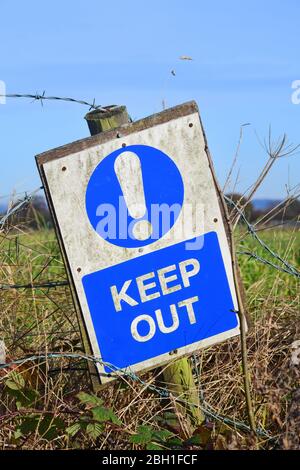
(163,193)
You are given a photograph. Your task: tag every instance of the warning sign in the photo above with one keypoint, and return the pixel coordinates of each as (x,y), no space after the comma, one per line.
(142,229)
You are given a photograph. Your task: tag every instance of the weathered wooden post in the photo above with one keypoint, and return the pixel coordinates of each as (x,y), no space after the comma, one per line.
(99,121)
(177,376)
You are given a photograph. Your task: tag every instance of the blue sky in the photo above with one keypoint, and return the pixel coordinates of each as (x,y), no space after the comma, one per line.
(245,58)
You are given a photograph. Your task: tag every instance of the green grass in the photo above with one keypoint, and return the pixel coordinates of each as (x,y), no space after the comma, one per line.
(285,243)
(32,250)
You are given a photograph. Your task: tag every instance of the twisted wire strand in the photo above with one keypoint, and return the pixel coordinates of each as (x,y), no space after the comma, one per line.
(19,206)
(42,97)
(288,268)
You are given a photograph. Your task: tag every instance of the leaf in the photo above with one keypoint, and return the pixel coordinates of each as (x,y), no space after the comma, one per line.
(143,435)
(175,442)
(15,381)
(168,419)
(73,429)
(29,424)
(17,434)
(201,436)
(94,430)
(50,427)
(153,446)
(12,385)
(26,398)
(89,399)
(194,440)
(102,415)
(163,435)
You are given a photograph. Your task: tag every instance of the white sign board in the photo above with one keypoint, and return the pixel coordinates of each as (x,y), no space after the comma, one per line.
(142,229)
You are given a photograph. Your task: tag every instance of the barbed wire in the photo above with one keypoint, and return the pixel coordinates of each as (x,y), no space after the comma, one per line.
(42,285)
(13,194)
(16,208)
(289,268)
(42,98)
(264,261)
(161,391)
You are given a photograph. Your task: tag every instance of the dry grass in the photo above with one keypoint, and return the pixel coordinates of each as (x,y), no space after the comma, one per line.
(43,320)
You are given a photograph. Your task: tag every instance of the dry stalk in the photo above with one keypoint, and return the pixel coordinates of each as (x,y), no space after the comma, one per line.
(279,149)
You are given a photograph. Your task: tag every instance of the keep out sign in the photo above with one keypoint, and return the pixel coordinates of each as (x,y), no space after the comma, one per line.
(160,302)
(141,224)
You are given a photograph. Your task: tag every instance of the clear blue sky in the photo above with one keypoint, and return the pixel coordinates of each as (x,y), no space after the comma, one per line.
(245,57)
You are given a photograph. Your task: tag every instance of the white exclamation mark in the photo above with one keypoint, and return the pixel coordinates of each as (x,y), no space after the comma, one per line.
(129,173)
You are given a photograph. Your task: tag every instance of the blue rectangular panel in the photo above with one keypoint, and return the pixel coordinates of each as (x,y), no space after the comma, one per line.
(199,305)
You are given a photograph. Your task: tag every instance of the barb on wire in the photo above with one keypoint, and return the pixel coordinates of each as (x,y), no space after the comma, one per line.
(264,261)
(290,269)
(42,98)
(19,206)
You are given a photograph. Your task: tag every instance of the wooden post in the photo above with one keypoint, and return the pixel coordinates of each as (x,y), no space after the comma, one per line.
(177,376)
(99,121)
